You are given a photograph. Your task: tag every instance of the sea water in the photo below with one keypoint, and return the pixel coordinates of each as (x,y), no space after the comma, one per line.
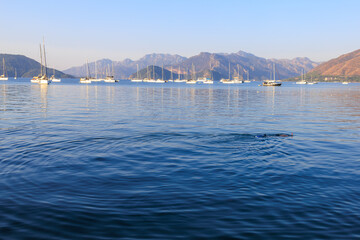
(173,161)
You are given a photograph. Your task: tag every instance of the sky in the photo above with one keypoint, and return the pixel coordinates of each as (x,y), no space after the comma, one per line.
(80,30)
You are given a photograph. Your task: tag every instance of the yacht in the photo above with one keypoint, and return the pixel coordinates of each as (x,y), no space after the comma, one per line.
(137,79)
(302,81)
(42,78)
(208,81)
(272,83)
(86,79)
(3,77)
(110,78)
(191,81)
(53,79)
(227,81)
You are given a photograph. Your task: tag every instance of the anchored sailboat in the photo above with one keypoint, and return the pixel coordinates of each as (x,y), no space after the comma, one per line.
(87,78)
(3,76)
(137,79)
(110,78)
(42,78)
(272,83)
(302,79)
(53,79)
(193,80)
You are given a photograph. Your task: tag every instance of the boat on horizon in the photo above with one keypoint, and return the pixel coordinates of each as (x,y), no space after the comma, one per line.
(86,79)
(53,78)
(302,81)
(3,76)
(137,79)
(42,78)
(273,82)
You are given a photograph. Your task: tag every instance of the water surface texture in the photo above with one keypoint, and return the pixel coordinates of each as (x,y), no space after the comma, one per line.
(173,161)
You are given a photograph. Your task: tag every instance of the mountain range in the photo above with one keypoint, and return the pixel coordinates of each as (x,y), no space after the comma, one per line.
(241,64)
(25,67)
(344,65)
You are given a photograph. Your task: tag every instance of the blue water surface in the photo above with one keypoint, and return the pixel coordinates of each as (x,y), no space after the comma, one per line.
(177,161)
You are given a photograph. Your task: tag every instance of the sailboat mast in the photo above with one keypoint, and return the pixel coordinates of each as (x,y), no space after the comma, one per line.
(137,73)
(96,69)
(229,71)
(87,71)
(147,72)
(45,58)
(4,66)
(41,62)
(274,70)
(162,72)
(171,74)
(179,74)
(113,72)
(154,72)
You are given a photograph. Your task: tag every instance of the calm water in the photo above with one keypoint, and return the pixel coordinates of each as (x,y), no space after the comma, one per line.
(173,161)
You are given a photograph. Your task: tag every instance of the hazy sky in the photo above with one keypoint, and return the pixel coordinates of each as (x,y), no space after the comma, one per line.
(78,30)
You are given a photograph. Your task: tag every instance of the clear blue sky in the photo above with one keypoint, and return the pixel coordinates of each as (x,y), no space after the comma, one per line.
(78,30)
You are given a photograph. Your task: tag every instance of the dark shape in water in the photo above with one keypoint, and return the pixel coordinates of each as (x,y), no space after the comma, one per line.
(275,135)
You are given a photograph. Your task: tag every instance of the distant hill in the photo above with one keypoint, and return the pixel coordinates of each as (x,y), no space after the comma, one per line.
(123,69)
(156,72)
(241,63)
(25,67)
(345,65)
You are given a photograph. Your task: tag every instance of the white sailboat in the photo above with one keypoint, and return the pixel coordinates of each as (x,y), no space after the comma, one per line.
(95,79)
(162,76)
(179,77)
(87,78)
(3,76)
(137,79)
(15,74)
(110,78)
(42,78)
(53,79)
(193,80)
(228,81)
(302,79)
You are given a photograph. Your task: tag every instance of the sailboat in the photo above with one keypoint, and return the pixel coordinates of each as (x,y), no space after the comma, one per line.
(209,80)
(42,78)
(87,78)
(152,79)
(302,81)
(193,80)
(53,79)
(110,78)
(137,79)
(272,83)
(3,77)
(248,79)
(179,77)
(171,77)
(15,74)
(162,76)
(95,79)
(228,81)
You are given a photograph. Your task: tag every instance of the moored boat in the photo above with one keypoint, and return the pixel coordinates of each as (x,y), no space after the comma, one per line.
(3,76)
